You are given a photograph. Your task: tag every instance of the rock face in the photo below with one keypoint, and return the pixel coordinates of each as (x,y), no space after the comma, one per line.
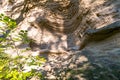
(99,55)
(100,34)
(62,25)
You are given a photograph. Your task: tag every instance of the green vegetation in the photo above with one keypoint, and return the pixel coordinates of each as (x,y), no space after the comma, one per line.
(13,68)
(19,67)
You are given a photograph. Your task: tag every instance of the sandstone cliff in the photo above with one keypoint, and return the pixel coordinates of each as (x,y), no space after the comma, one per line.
(61,25)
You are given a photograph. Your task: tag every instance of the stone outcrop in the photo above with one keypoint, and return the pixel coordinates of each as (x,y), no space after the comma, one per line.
(101,54)
(65,21)
(100,34)
(63,26)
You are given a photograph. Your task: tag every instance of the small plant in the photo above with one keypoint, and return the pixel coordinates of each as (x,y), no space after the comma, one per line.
(23,36)
(14,68)
(6,24)
(20,67)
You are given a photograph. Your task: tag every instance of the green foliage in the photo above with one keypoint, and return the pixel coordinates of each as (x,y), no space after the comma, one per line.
(7,25)
(23,36)
(11,24)
(13,68)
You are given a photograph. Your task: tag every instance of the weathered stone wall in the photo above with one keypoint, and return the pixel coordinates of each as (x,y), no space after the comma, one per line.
(60,24)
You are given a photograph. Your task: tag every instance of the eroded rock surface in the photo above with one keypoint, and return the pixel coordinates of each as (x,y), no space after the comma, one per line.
(93,62)
(60,25)
(92,35)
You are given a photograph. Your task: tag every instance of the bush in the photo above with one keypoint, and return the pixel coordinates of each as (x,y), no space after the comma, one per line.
(14,68)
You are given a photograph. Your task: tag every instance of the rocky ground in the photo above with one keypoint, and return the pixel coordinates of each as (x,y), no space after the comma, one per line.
(98,61)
